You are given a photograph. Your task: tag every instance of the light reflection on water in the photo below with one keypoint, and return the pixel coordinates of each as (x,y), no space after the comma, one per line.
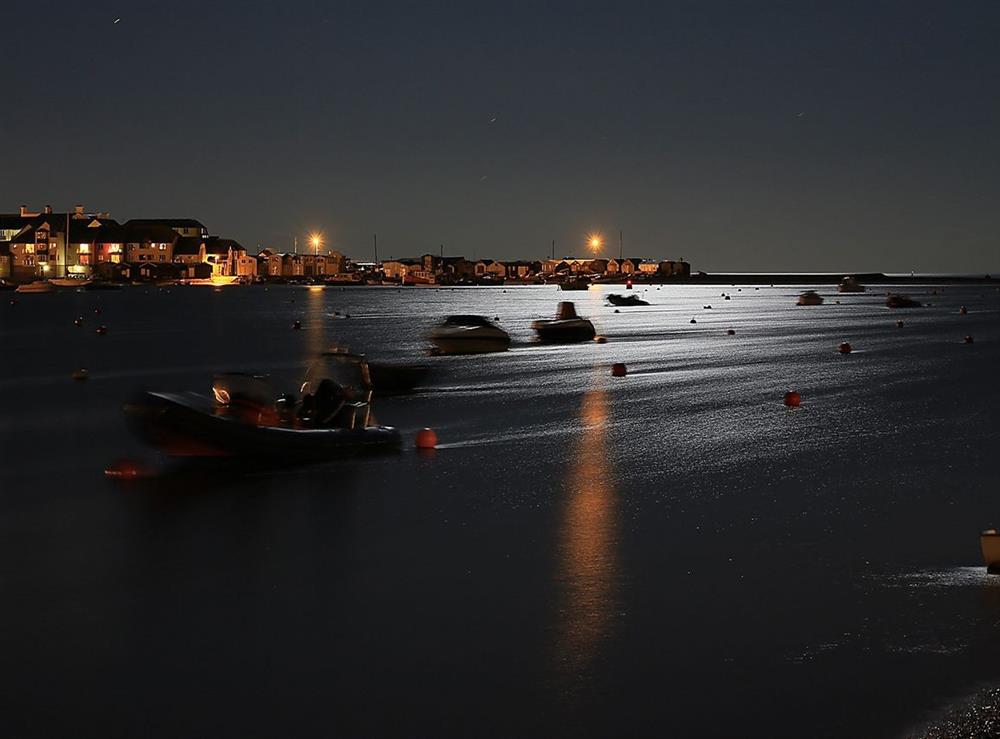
(587,544)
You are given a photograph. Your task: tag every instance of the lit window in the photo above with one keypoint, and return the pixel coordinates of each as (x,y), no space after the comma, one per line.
(84,248)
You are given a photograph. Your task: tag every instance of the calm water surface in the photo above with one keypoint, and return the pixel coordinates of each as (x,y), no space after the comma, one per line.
(672,553)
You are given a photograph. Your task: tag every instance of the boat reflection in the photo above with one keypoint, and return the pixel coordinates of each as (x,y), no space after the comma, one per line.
(588,565)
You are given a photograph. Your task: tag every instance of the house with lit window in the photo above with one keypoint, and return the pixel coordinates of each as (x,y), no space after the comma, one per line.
(149,243)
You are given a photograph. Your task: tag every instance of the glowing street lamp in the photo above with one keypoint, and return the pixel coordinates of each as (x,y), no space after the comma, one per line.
(595,241)
(316,240)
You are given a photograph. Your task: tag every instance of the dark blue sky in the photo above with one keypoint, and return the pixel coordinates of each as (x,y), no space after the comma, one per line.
(739,135)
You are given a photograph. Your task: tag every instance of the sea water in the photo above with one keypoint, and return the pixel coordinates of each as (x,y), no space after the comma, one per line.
(670,553)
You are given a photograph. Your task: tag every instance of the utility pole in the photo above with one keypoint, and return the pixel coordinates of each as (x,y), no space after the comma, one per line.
(375,244)
(553,248)
(621,251)
(295,244)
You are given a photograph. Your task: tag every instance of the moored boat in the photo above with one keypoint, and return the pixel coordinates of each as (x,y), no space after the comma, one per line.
(38,286)
(576,283)
(70,282)
(566,328)
(850,285)
(467,334)
(810,297)
(330,418)
(626,300)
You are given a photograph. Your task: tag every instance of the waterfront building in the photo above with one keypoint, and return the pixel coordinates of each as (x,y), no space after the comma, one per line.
(491,268)
(149,242)
(649,267)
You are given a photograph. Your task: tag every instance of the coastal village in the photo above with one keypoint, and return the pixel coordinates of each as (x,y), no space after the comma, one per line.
(79,244)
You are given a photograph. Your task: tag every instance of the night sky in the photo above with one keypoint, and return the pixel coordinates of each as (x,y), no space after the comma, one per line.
(741,136)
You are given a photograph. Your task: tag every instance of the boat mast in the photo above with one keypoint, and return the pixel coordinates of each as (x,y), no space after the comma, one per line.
(621,251)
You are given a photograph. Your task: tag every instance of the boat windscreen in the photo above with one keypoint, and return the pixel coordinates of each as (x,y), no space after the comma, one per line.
(349,371)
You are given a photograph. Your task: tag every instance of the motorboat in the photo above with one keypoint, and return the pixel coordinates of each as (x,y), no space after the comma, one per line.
(893,300)
(625,300)
(469,335)
(70,282)
(567,327)
(810,297)
(576,283)
(329,417)
(38,286)
(850,285)
(989,543)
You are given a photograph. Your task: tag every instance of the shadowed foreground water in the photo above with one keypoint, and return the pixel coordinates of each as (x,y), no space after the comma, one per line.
(669,553)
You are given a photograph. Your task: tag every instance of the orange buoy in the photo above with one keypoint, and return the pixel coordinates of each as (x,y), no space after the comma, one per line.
(968,339)
(80,375)
(730,332)
(618,369)
(792,399)
(296,325)
(78,322)
(963,311)
(845,348)
(601,339)
(426,439)
(101,330)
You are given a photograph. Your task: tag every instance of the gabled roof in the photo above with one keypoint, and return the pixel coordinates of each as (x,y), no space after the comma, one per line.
(215,245)
(168,222)
(154,232)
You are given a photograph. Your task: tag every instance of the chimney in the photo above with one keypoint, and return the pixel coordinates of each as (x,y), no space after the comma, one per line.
(78,210)
(48,209)
(24,211)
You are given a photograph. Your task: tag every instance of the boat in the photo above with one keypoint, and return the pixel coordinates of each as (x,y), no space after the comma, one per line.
(70,282)
(893,300)
(38,286)
(850,285)
(330,417)
(566,328)
(989,543)
(810,297)
(576,283)
(469,335)
(625,300)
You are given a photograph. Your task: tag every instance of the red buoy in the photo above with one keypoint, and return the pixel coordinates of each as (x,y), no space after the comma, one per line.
(618,369)
(968,339)
(792,399)
(845,348)
(101,330)
(426,439)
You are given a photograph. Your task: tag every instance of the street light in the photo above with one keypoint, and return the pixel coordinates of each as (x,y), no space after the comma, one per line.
(316,240)
(595,241)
